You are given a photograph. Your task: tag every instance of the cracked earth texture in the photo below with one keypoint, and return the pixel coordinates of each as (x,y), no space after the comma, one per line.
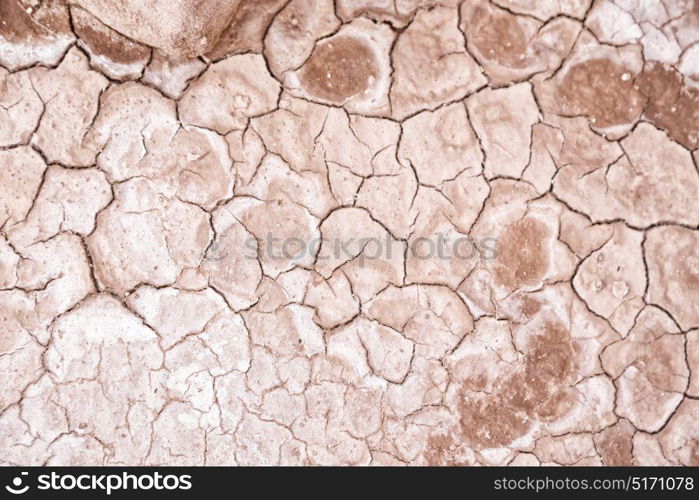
(145,150)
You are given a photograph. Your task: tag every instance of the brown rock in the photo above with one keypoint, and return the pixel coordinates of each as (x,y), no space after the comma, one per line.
(523,261)
(538,368)
(339,69)
(599,89)
(526,250)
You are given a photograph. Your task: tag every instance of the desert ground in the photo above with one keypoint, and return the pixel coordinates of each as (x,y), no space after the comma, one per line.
(349,232)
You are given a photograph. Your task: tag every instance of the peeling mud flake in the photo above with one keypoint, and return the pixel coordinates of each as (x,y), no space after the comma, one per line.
(246,31)
(612,279)
(339,69)
(228,93)
(20,108)
(70,94)
(31,36)
(511,47)
(111,53)
(503,121)
(650,370)
(178,27)
(672,105)
(145,238)
(431,64)
(547,10)
(598,82)
(627,187)
(602,90)
(349,69)
(440,145)
(21,175)
(171,75)
(294,31)
(673,272)
(524,260)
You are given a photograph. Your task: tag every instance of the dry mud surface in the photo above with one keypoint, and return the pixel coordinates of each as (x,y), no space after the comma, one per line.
(220,227)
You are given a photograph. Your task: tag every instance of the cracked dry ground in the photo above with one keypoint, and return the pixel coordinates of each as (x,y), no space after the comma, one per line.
(140,162)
